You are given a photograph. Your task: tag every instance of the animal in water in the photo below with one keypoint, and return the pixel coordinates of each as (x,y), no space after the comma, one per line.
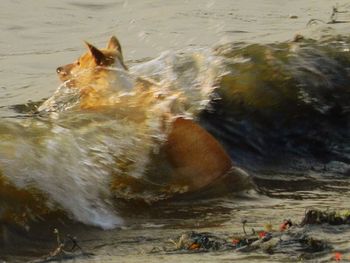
(193,157)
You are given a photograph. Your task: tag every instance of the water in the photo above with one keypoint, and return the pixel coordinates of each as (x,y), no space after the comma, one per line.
(279,108)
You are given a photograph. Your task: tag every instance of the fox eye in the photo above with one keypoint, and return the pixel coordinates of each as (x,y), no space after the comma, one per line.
(77,63)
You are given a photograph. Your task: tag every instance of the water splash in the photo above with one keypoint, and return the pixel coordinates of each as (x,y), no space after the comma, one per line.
(75,157)
(291,97)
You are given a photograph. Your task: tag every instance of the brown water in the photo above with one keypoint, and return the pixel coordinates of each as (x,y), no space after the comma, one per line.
(287,168)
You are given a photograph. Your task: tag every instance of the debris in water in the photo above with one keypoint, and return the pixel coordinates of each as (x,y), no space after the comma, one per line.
(285,225)
(67,248)
(333,18)
(298,38)
(314,216)
(244,222)
(268,227)
(290,237)
(338,256)
(200,242)
(334,15)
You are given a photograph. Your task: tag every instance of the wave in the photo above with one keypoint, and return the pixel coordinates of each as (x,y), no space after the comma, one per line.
(269,105)
(282,101)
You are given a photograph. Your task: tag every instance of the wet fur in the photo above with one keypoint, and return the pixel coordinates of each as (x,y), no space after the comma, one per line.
(193,157)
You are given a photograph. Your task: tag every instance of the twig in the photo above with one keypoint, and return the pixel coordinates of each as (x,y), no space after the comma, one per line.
(60,252)
(243,226)
(333,17)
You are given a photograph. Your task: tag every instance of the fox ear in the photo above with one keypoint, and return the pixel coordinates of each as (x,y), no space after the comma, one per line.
(97,54)
(114,43)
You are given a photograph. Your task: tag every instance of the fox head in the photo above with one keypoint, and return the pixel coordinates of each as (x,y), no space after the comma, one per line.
(95,58)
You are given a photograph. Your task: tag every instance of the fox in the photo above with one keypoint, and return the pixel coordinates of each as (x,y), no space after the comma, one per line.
(194,158)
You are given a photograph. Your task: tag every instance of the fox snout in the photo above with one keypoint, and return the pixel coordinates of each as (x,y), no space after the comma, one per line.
(60,70)
(64,72)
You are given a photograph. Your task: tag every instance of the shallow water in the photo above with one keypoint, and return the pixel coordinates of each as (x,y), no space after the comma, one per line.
(280,109)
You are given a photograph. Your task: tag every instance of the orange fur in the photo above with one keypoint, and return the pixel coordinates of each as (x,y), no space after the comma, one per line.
(194,156)
(197,159)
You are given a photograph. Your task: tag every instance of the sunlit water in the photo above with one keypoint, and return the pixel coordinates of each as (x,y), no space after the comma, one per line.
(280,110)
